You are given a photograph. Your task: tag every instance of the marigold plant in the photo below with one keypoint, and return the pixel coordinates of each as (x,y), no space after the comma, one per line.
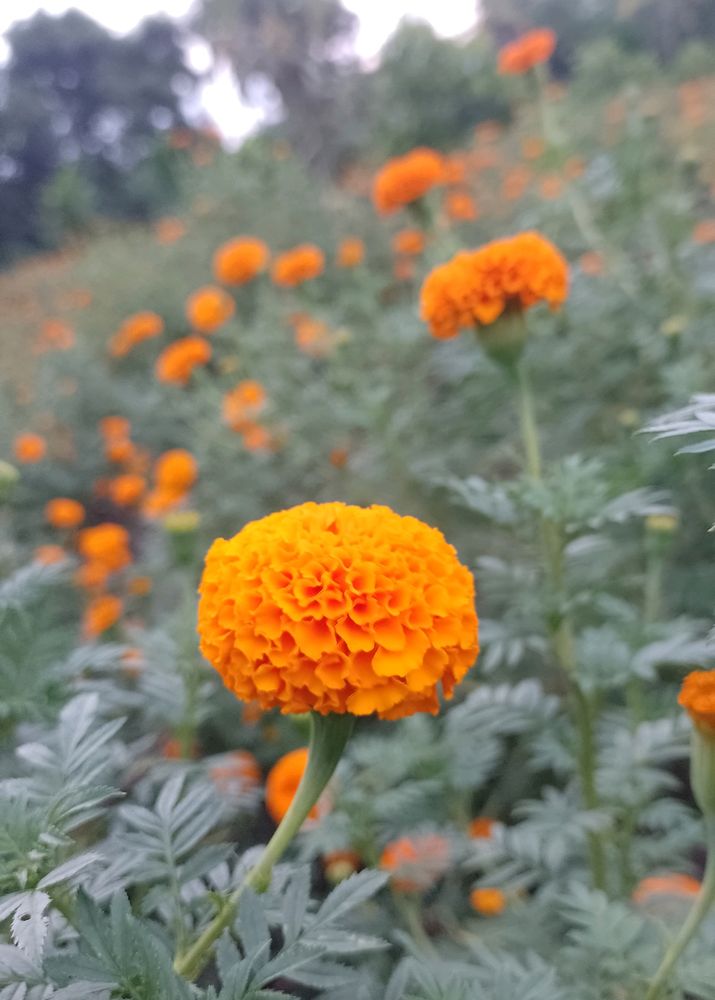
(406,179)
(526,51)
(240,260)
(296,266)
(334,608)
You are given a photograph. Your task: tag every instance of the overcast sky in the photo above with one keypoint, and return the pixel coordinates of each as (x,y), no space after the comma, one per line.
(378,19)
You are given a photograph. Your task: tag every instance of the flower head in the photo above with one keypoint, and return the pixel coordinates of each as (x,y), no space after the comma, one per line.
(114,428)
(406,179)
(29,448)
(240,260)
(282,783)
(672,884)
(351,252)
(527,51)
(208,308)
(334,608)
(64,513)
(243,403)
(235,774)
(106,545)
(176,362)
(416,863)
(55,335)
(302,263)
(410,242)
(488,901)
(481,828)
(460,206)
(100,614)
(697,697)
(127,489)
(476,287)
(135,329)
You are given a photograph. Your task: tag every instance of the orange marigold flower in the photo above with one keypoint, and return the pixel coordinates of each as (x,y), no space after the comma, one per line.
(119,450)
(256,437)
(106,544)
(532,147)
(477,287)
(704,232)
(29,448)
(176,471)
(351,252)
(335,608)
(208,308)
(91,575)
(171,748)
(460,206)
(236,773)
(55,336)
(302,263)
(416,863)
(515,183)
(127,490)
(410,242)
(100,614)
(551,187)
(49,555)
(488,901)
(339,457)
(176,362)
(114,428)
(242,403)
(406,179)
(134,330)
(169,230)
(697,697)
(64,513)
(527,51)
(481,828)
(282,784)
(665,885)
(240,260)
(312,336)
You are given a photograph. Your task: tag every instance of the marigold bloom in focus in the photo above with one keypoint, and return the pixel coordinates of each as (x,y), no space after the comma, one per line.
(127,490)
(49,555)
(697,697)
(351,252)
(665,885)
(243,403)
(415,863)
(476,287)
(106,544)
(64,513)
(335,608)
(100,614)
(134,330)
(489,902)
(527,51)
(240,260)
(460,206)
(282,783)
(208,308)
(302,263)
(406,179)
(176,362)
(29,448)
(410,242)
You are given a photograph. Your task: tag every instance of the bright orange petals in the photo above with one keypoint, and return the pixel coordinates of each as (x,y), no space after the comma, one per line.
(476,287)
(410,242)
(527,51)
(208,308)
(240,261)
(64,513)
(134,330)
(335,608)
(294,267)
(105,544)
(481,828)
(177,362)
(100,614)
(29,448)
(665,885)
(176,471)
(488,901)
(415,863)
(282,784)
(406,179)
(351,252)
(697,697)
(127,490)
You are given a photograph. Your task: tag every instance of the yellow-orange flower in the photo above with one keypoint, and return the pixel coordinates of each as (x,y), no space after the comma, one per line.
(697,697)
(416,863)
(62,512)
(351,252)
(29,448)
(242,403)
(481,828)
(127,490)
(100,614)
(312,335)
(488,901)
(302,263)
(476,287)
(119,450)
(208,308)
(105,544)
(282,783)
(176,471)
(334,608)
(240,260)
(410,242)
(256,437)
(406,179)
(134,330)
(176,362)
(527,51)
(665,885)
(460,206)
(114,428)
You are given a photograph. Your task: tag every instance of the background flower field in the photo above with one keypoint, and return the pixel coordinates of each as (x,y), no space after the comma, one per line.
(538,838)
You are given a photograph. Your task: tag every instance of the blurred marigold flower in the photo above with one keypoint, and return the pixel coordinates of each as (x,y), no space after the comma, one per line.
(256,437)
(488,901)
(49,555)
(704,231)
(351,252)
(665,885)
(551,187)
(208,308)
(134,330)
(169,230)
(105,544)
(236,773)
(240,261)
(114,428)
(29,448)
(532,147)
(176,471)
(482,828)
(488,132)
(406,179)
(529,50)
(403,269)
(592,263)
(55,335)
(515,183)
(476,287)
(410,242)
(243,403)
(335,608)
(119,451)
(302,263)
(62,512)
(177,362)
(91,575)
(100,614)
(460,206)
(139,586)
(416,863)
(282,783)
(697,697)
(127,490)
(312,336)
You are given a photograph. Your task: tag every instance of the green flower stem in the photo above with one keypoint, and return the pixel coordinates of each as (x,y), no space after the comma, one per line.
(328,737)
(697,914)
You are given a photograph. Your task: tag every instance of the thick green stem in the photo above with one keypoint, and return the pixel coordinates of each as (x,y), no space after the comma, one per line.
(587,774)
(328,737)
(696,916)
